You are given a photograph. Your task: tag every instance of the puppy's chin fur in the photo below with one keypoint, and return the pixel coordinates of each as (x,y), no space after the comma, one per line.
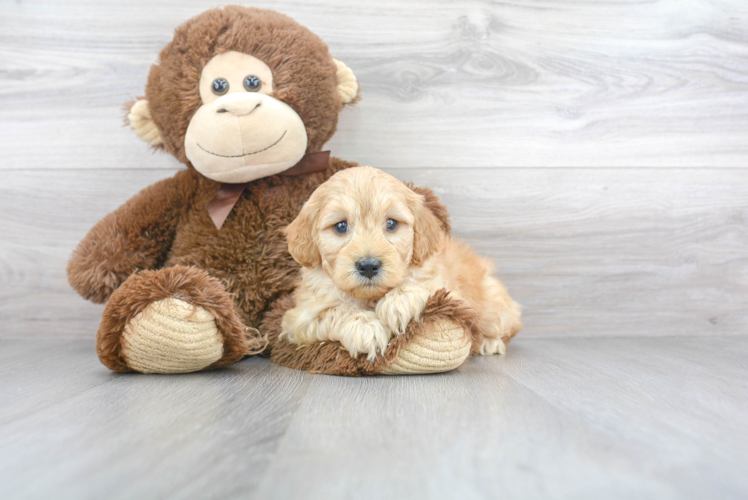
(371,291)
(358,287)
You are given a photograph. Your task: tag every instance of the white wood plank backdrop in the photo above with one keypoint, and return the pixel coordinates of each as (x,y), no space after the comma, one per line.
(588,252)
(596,150)
(446,83)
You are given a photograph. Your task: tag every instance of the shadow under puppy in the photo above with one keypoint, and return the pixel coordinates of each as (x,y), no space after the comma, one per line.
(373,253)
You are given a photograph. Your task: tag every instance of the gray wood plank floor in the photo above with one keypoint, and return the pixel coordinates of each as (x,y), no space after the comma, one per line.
(555,418)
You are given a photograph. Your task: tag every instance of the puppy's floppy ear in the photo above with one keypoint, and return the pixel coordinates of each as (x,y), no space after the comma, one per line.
(432,203)
(300,236)
(427,228)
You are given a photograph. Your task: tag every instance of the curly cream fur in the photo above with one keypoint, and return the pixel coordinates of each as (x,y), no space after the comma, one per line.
(325,313)
(333,302)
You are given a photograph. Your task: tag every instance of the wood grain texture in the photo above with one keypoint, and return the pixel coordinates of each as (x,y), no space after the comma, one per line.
(143,436)
(588,252)
(474,83)
(27,372)
(554,419)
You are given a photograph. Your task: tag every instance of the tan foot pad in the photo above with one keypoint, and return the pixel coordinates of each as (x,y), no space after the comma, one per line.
(444,348)
(171,336)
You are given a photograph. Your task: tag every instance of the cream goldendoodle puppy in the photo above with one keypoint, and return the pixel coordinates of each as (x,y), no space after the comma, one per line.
(373,253)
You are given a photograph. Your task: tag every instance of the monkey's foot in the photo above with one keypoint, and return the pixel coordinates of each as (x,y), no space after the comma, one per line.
(171,336)
(173,320)
(441,346)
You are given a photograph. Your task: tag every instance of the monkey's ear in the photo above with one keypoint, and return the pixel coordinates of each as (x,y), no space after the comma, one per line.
(141,122)
(347,83)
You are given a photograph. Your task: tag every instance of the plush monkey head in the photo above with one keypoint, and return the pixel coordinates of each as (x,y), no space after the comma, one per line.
(242,93)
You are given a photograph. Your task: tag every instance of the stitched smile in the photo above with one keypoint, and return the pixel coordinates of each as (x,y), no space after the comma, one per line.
(246,154)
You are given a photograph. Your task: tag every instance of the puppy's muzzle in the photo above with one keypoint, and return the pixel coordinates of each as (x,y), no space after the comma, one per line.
(368,267)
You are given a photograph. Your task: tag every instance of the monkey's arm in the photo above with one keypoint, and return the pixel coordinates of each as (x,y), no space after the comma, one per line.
(136,236)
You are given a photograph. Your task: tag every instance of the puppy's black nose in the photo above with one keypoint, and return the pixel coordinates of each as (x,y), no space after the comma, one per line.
(368,266)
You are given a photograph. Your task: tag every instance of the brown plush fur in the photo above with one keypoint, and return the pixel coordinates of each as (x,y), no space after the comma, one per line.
(167,224)
(189,284)
(136,236)
(162,243)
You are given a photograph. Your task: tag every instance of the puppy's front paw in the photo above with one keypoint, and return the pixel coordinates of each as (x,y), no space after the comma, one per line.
(291,325)
(364,333)
(401,305)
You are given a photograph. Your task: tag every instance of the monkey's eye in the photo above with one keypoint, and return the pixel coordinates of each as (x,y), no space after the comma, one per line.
(252,83)
(341,227)
(390,224)
(220,86)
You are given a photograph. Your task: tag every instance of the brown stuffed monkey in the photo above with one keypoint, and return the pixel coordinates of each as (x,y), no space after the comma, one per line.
(195,270)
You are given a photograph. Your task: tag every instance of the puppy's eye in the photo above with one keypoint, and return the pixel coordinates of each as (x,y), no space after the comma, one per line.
(390,224)
(341,227)
(220,86)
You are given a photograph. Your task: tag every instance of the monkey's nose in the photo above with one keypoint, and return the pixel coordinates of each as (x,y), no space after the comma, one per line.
(368,267)
(239,108)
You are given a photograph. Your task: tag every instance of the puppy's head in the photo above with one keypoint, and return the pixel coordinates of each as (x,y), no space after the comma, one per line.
(364,227)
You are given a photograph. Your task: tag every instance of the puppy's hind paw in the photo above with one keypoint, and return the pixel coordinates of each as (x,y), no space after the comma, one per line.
(492,346)
(364,333)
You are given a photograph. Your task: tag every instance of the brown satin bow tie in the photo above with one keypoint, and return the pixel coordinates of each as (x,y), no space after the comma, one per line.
(228,194)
